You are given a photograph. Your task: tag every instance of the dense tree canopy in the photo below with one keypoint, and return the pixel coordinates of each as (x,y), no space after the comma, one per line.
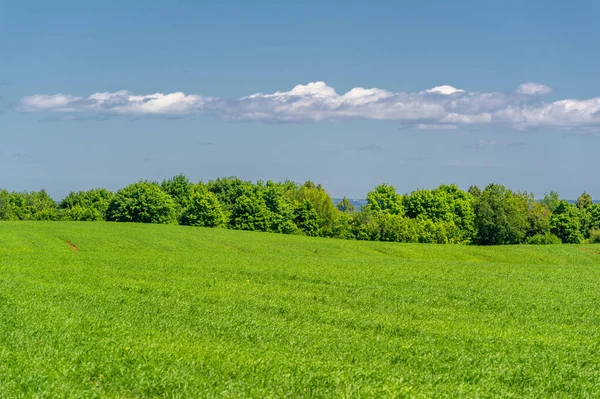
(499,216)
(142,202)
(445,214)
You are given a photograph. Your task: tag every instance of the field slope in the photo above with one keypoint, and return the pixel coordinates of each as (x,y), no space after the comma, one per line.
(129,310)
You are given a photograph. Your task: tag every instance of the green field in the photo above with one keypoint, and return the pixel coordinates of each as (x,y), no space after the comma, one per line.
(170,311)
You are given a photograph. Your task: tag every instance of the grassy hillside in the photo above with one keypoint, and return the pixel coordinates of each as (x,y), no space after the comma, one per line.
(167,311)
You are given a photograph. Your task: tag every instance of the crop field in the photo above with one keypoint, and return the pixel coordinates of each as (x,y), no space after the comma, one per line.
(129,310)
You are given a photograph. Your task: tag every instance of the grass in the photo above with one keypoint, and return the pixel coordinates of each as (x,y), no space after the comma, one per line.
(169,311)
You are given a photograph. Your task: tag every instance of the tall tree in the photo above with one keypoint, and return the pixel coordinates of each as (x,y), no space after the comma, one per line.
(142,202)
(384,198)
(346,206)
(566,223)
(500,219)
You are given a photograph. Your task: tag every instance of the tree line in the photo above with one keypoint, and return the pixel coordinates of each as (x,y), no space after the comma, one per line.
(493,216)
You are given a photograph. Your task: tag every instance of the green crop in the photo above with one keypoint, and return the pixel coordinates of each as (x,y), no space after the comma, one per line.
(129,310)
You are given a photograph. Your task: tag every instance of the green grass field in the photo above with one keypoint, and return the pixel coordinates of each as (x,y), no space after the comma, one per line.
(169,311)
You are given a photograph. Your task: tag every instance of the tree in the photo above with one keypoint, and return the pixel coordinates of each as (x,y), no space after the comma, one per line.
(229,189)
(179,188)
(97,200)
(384,198)
(343,226)
(322,203)
(566,224)
(203,210)
(474,191)
(397,228)
(346,206)
(594,216)
(34,205)
(142,202)
(6,211)
(500,219)
(281,211)
(249,213)
(587,213)
(584,201)
(447,203)
(81,214)
(538,216)
(551,200)
(306,218)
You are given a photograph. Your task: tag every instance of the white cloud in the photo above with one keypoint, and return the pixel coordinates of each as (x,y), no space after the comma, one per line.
(120,102)
(442,107)
(447,90)
(56,103)
(533,89)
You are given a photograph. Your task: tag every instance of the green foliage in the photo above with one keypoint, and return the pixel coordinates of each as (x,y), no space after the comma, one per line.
(538,216)
(584,201)
(551,200)
(543,239)
(6,207)
(249,213)
(321,202)
(430,232)
(281,210)
(97,200)
(306,218)
(593,213)
(34,205)
(384,226)
(500,217)
(445,204)
(346,206)
(594,236)
(343,227)
(474,191)
(228,190)
(589,215)
(142,202)
(397,228)
(384,198)
(179,188)
(366,225)
(203,209)
(79,213)
(566,223)
(445,214)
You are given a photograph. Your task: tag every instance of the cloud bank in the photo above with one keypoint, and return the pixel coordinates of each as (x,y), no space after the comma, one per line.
(441,107)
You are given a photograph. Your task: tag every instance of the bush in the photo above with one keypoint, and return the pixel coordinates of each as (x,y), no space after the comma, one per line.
(142,202)
(543,239)
(78,213)
(594,236)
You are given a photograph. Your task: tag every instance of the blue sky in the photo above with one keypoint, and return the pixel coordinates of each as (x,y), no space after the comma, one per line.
(468,92)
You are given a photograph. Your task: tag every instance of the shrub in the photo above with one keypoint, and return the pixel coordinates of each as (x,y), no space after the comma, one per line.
(81,214)
(543,239)
(595,236)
